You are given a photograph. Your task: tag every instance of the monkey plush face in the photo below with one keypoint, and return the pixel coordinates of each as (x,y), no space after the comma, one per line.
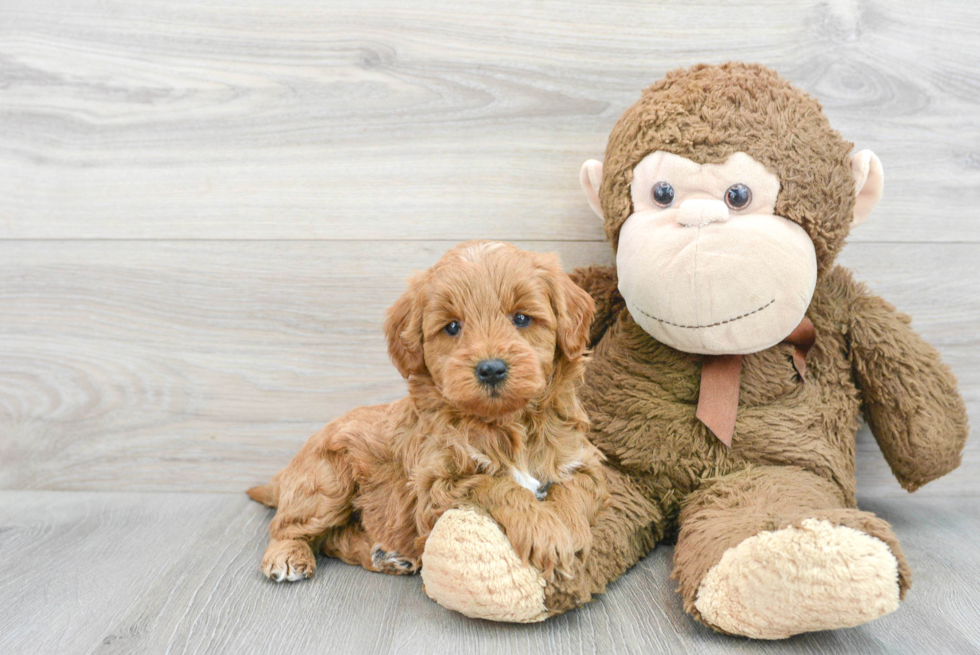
(704,263)
(726,195)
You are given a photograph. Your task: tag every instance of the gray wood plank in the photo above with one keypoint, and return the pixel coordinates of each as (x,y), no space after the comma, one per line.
(203,366)
(72,564)
(178,573)
(389,119)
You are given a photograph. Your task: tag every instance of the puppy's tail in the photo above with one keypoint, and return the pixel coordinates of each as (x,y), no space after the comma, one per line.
(267,494)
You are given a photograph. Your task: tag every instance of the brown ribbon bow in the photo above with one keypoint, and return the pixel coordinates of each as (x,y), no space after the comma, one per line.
(720,376)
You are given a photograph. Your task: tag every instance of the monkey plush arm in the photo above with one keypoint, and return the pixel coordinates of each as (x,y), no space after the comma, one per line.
(601,283)
(909,397)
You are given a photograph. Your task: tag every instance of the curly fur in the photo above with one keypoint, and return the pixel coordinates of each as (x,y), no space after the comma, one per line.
(369,487)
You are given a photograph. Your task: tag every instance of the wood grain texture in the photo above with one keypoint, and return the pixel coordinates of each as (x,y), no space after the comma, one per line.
(205,209)
(204,366)
(388,119)
(178,573)
(72,565)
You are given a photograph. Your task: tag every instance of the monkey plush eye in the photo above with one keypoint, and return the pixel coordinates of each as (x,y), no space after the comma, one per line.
(453,328)
(521,320)
(663,194)
(738,196)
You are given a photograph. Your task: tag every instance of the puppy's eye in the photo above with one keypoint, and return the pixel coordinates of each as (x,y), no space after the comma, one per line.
(663,194)
(521,320)
(738,196)
(453,328)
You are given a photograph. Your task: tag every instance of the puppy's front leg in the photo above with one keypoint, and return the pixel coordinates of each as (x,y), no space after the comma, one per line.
(577,499)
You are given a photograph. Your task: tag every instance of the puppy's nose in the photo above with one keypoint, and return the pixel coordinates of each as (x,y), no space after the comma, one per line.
(696,212)
(491,372)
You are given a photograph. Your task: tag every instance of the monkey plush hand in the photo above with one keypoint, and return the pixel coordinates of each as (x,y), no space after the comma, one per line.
(730,368)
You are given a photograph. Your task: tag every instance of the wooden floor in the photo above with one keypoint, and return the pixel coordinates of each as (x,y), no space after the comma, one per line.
(206,207)
(96,572)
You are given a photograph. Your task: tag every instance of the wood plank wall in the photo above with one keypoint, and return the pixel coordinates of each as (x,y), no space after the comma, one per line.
(206,207)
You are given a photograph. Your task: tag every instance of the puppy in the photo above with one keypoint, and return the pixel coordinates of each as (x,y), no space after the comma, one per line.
(492,342)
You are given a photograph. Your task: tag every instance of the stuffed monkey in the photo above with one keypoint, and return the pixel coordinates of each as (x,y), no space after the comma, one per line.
(732,359)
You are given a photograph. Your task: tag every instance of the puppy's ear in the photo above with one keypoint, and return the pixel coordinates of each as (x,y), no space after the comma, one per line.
(403,327)
(574,309)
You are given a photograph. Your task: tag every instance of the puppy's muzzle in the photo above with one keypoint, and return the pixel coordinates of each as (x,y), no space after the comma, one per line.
(491,372)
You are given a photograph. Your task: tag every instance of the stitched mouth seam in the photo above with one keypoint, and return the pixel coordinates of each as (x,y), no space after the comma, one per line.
(695,327)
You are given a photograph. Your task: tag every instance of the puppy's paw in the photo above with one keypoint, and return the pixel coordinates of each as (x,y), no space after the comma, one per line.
(392,562)
(290,559)
(543,541)
(553,553)
(581,533)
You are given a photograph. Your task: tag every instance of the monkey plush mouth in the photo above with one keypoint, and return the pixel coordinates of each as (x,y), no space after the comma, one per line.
(698,327)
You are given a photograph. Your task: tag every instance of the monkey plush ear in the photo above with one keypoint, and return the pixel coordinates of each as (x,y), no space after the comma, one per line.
(403,328)
(869,180)
(591,177)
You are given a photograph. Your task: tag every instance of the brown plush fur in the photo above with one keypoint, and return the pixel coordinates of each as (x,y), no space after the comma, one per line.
(793,452)
(370,485)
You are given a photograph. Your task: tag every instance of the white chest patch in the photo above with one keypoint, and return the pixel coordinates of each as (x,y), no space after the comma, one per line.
(530,483)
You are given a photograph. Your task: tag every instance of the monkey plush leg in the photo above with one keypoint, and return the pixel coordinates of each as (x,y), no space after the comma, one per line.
(470,566)
(770,552)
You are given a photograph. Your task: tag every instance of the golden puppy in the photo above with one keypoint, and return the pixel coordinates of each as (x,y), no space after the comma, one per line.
(492,341)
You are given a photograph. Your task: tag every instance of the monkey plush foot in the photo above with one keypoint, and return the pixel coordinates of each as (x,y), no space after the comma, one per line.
(470,566)
(818,576)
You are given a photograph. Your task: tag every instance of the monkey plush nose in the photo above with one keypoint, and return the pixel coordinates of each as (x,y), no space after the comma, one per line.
(491,372)
(698,211)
